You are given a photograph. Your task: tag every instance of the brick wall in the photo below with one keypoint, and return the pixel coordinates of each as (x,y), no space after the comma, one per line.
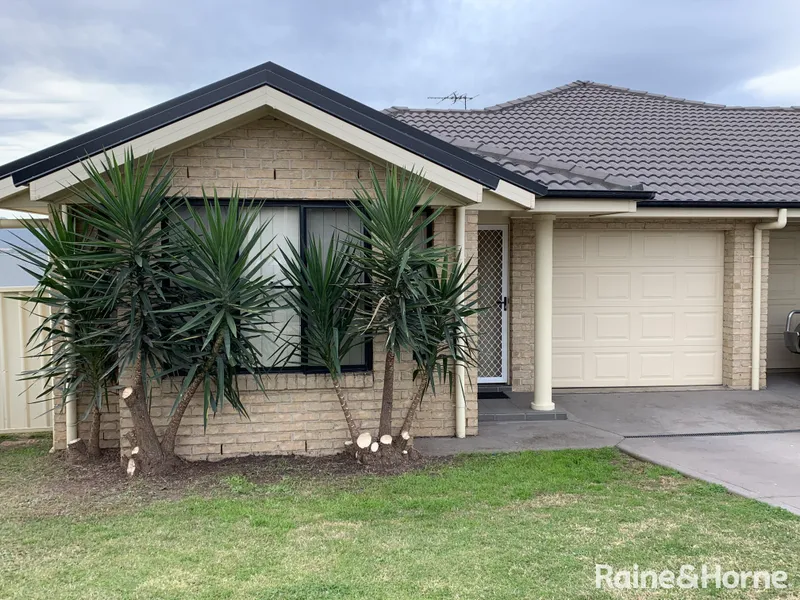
(737,293)
(270,159)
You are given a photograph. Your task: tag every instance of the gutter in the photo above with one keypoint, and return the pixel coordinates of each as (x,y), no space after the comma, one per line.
(716,204)
(619,194)
(755,337)
(461,371)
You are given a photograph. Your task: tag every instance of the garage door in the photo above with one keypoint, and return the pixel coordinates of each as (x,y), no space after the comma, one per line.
(784,295)
(637,308)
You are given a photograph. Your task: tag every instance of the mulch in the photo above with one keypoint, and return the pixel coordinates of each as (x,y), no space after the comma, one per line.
(62,487)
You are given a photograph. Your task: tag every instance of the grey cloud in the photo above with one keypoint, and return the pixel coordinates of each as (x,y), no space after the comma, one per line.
(388,52)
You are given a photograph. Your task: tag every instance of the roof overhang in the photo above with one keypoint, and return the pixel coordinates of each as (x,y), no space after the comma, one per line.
(263,90)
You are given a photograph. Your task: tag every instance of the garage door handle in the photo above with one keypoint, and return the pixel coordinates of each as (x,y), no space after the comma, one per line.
(503,303)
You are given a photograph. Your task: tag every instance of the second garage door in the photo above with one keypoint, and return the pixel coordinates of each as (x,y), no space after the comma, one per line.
(784,295)
(637,308)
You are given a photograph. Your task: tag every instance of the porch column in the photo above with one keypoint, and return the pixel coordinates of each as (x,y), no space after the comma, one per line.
(543,315)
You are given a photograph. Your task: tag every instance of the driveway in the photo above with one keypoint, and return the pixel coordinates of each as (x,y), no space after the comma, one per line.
(748,442)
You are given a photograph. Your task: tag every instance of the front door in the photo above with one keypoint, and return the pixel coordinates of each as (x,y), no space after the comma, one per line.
(493,297)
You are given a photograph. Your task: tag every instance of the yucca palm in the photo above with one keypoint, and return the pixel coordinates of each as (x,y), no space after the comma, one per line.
(154,294)
(219,252)
(70,337)
(324,293)
(125,205)
(396,253)
(442,330)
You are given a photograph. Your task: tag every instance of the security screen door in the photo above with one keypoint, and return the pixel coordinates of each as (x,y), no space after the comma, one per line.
(493,296)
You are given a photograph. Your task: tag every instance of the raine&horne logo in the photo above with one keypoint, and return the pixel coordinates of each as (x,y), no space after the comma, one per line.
(687,577)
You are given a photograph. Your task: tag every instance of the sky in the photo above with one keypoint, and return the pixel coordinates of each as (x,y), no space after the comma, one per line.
(68,67)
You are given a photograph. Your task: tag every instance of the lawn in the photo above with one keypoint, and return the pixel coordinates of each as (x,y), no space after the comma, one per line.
(529,525)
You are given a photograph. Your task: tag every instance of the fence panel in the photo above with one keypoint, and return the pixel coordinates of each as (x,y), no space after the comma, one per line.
(20,411)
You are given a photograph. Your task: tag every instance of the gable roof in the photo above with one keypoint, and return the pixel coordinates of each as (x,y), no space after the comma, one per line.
(414,140)
(688,152)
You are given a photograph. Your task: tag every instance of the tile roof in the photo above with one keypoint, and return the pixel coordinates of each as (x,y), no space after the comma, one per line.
(686,151)
(556,175)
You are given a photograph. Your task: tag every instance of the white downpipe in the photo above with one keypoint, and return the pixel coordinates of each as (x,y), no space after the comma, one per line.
(755,337)
(461,371)
(70,400)
(543,315)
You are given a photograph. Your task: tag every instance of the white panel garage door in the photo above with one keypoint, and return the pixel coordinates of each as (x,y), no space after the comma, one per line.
(784,295)
(637,308)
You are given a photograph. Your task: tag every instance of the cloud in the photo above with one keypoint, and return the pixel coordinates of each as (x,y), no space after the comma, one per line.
(782,87)
(40,107)
(70,66)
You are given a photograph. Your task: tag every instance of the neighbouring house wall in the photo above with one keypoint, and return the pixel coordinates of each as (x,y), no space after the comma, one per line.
(270,159)
(737,292)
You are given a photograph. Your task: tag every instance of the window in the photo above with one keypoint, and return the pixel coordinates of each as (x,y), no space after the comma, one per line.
(297,222)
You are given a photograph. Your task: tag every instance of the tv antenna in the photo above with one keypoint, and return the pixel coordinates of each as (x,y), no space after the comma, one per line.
(454,97)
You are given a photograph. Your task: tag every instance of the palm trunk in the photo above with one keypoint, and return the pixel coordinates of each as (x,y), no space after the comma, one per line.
(385,426)
(94,434)
(171,433)
(150,455)
(405,428)
(348,416)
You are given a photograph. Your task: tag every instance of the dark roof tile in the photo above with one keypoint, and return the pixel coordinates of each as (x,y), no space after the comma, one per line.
(686,151)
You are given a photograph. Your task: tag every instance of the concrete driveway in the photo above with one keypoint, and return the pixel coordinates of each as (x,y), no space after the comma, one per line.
(748,442)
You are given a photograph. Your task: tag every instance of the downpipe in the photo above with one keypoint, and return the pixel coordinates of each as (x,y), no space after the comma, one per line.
(755,335)
(461,371)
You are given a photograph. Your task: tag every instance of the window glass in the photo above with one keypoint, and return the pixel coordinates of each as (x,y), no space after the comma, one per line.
(285,224)
(282,226)
(322,223)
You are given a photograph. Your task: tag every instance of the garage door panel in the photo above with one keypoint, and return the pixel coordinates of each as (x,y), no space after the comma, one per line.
(627,367)
(784,295)
(636,327)
(620,320)
(584,286)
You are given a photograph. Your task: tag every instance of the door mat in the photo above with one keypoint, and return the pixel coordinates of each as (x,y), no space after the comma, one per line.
(487,395)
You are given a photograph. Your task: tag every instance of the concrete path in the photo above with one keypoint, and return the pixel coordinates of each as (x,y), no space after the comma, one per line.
(752,450)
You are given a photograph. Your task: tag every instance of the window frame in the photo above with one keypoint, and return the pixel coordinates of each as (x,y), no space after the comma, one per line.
(303,206)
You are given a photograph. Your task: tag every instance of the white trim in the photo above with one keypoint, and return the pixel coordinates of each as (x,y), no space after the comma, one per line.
(175,133)
(505,314)
(248,106)
(7,187)
(543,314)
(586,207)
(371,144)
(644,212)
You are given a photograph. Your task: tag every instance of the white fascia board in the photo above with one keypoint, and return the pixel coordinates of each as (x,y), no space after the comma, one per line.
(159,139)
(21,200)
(194,126)
(594,207)
(8,189)
(515,194)
(701,213)
(372,145)
(494,202)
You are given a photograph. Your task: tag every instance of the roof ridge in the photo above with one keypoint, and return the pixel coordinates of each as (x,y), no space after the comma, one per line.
(586,83)
(538,95)
(547,162)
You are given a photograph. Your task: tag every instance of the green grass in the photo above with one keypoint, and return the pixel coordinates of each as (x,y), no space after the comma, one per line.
(529,525)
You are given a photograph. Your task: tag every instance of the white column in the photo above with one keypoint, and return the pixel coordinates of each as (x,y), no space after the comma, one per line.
(461,372)
(543,315)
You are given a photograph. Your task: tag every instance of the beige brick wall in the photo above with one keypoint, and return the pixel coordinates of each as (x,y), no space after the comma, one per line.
(109,423)
(270,159)
(737,293)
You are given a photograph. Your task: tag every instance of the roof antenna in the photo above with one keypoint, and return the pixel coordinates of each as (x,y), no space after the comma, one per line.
(454,97)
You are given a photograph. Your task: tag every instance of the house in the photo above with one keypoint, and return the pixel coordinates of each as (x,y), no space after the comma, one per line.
(622,238)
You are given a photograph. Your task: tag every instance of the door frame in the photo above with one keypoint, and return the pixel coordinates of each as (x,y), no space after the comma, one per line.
(505,314)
